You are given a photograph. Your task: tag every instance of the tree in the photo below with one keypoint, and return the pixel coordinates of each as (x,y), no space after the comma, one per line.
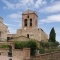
(52,36)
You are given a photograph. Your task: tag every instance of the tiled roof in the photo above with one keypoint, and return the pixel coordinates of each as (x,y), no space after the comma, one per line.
(29,11)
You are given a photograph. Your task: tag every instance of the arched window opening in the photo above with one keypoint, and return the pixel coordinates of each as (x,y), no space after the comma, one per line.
(25,22)
(30,22)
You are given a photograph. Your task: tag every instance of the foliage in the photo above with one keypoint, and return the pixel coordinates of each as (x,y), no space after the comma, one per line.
(33,45)
(41,50)
(49,50)
(56,44)
(52,44)
(29,44)
(4,46)
(45,44)
(52,36)
(20,45)
(49,45)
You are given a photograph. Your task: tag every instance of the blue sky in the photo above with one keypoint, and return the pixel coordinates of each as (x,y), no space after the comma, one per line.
(48,14)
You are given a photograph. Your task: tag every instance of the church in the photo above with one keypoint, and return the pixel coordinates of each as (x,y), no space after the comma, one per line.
(29,28)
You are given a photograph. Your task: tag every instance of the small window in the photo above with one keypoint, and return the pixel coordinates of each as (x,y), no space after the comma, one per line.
(28,16)
(30,22)
(27,35)
(25,22)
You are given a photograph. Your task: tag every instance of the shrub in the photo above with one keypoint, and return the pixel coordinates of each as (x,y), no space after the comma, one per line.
(27,44)
(20,45)
(56,43)
(4,46)
(49,44)
(41,51)
(44,44)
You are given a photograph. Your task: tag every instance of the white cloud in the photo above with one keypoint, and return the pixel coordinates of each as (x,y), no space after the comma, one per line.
(52,18)
(40,3)
(8,4)
(44,2)
(15,16)
(11,30)
(23,3)
(9,24)
(55,7)
(17,19)
(27,1)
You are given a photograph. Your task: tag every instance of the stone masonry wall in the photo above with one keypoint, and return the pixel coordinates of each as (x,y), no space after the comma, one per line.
(48,56)
(17,54)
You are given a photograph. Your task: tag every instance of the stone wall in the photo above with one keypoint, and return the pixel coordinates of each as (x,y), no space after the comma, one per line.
(48,56)
(17,54)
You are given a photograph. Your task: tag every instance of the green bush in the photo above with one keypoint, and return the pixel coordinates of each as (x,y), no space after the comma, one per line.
(49,45)
(41,51)
(27,44)
(56,44)
(4,46)
(20,45)
(45,44)
(49,50)
(33,45)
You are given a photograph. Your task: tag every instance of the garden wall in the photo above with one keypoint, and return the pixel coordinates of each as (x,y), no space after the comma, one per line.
(47,56)
(17,54)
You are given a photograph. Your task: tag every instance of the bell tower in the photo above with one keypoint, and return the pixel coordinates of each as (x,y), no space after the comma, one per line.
(29,20)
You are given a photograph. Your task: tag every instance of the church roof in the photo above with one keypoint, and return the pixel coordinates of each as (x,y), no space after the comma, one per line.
(29,11)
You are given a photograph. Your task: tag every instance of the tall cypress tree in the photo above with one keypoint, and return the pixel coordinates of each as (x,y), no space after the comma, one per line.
(52,36)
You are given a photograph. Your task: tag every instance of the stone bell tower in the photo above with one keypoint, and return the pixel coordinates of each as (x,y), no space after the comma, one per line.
(29,20)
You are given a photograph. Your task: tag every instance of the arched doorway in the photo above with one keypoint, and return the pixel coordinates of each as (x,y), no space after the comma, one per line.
(27,35)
